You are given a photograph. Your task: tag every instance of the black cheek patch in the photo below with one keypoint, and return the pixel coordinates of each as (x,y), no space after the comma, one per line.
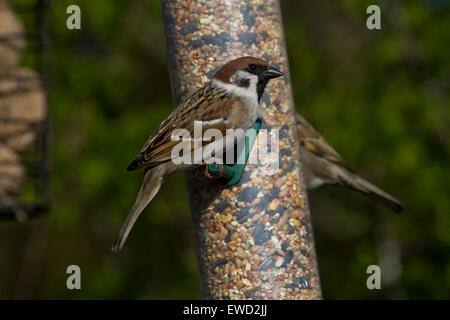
(244,83)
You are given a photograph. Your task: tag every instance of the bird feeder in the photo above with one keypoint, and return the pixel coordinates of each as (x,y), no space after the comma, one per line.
(254,238)
(24,168)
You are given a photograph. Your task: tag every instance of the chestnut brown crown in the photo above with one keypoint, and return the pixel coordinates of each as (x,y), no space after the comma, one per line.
(250,64)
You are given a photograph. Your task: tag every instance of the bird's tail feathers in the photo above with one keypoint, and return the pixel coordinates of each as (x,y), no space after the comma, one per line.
(359,184)
(151,182)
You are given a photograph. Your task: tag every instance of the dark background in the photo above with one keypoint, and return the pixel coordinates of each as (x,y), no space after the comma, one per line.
(379,97)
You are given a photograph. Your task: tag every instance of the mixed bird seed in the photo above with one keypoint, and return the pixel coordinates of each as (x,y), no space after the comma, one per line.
(254,239)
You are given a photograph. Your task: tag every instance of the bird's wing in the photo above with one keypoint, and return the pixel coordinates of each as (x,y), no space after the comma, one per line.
(312,141)
(211,106)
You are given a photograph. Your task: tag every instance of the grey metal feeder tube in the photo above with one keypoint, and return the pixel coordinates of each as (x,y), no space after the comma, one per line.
(254,240)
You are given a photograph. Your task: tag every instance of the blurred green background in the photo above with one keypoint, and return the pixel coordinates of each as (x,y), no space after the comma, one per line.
(379,97)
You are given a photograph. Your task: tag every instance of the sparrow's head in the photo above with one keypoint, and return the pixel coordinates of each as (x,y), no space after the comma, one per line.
(249,73)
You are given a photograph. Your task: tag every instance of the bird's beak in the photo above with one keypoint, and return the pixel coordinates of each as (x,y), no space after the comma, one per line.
(271,73)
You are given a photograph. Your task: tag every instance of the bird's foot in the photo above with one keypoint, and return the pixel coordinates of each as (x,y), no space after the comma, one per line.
(213,168)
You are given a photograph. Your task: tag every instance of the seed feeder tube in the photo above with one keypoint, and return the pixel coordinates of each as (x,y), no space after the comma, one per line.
(254,238)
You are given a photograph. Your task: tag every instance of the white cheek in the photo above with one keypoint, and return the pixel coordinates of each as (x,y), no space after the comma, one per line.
(248,96)
(243,93)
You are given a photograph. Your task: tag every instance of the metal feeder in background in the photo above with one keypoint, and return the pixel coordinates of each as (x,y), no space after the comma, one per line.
(34,196)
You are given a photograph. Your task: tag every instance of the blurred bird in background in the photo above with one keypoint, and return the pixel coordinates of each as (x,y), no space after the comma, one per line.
(323,165)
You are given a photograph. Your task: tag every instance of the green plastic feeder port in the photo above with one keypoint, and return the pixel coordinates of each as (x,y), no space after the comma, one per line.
(233,172)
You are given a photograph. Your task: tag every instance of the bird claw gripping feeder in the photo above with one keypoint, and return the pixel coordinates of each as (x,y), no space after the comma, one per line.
(253,232)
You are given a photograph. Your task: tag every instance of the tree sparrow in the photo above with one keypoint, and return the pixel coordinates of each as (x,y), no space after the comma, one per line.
(229,101)
(323,165)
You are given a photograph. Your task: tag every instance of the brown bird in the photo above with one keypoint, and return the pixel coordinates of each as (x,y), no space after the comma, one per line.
(229,101)
(323,165)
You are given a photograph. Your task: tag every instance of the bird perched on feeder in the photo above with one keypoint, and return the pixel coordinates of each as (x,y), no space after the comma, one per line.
(229,101)
(323,165)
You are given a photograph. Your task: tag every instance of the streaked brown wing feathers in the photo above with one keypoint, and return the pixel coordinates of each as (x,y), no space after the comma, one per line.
(208,102)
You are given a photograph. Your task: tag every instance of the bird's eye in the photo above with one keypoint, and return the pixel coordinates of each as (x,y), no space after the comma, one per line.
(252,67)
